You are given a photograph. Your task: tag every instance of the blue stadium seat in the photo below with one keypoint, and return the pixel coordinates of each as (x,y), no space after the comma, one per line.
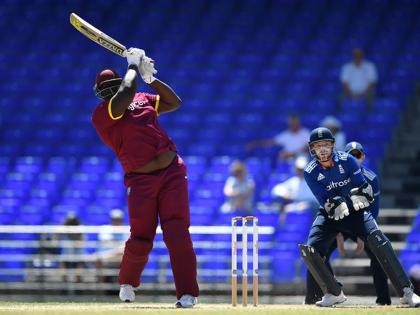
(52,161)
(284,266)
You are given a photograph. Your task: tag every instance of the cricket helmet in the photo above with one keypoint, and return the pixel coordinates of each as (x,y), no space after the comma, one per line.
(354,146)
(321,134)
(107,83)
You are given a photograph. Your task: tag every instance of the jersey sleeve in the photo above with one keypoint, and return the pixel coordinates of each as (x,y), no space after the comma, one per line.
(154,100)
(318,190)
(374,206)
(356,175)
(102,117)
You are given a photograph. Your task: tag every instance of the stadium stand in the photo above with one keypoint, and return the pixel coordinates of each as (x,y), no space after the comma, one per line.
(240,68)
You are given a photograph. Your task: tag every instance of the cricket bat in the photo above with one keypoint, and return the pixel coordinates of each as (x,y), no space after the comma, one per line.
(97,36)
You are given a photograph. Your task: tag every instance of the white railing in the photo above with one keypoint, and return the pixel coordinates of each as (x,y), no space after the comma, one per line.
(29,262)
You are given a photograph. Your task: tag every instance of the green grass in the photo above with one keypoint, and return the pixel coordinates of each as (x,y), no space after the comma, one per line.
(17,308)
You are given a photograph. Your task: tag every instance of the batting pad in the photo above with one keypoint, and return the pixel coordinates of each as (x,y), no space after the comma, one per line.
(381,247)
(319,270)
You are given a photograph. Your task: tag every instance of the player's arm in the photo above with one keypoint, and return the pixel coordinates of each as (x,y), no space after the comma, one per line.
(125,94)
(374,206)
(335,206)
(355,172)
(317,189)
(362,195)
(169,100)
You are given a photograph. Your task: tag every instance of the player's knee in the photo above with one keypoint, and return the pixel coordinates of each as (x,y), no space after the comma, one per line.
(318,248)
(138,246)
(377,239)
(176,235)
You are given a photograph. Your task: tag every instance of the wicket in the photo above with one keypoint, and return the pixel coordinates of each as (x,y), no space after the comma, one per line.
(245,221)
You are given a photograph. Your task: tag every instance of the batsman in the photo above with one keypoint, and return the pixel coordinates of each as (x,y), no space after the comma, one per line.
(336,180)
(155,175)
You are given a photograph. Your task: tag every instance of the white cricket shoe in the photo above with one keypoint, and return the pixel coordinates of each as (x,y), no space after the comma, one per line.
(329,299)
(127,293)
(410,298)
(186,301)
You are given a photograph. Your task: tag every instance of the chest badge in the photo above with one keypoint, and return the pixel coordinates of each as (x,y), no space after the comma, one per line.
(341,169)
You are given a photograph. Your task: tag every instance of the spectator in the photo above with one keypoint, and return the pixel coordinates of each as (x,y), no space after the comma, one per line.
(358,79)
(293,140)
(110,248)
(239,190)
(73,249)
(294,194)
(334,125)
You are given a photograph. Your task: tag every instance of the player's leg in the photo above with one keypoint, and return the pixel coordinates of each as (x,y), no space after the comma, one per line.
(365,227)
(142,211)
(380,280)
(382,248)
(313,290)
(321,236)
(174,215)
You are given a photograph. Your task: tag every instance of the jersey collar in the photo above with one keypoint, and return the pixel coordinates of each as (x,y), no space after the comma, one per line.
(331,164)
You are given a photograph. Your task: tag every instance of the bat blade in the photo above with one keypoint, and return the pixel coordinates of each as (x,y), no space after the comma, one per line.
(97,36)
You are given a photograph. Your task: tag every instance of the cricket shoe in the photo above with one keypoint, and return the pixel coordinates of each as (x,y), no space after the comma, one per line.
(127,293)
(329,300)
(186,301)
(410,298)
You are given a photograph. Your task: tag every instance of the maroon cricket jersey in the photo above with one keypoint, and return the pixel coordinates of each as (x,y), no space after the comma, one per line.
(136,137)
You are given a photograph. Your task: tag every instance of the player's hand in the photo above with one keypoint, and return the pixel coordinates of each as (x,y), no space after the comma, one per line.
(361,197)
(135,56)
(147,69)
(359,202)
(336,208)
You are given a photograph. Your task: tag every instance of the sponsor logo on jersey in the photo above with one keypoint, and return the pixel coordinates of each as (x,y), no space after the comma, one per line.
(320,177)
(341,169)
(342,183)
(135,105)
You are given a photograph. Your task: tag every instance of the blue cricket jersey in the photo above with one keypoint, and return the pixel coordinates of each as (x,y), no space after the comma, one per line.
(372,179)
(336,180)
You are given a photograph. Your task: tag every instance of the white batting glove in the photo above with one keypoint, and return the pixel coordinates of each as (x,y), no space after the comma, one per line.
(147,69)
(134,56)
(359,202)
(362,196)
(341,211)
(336,208)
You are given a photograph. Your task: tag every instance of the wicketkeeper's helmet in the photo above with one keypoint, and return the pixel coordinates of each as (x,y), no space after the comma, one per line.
(320,134)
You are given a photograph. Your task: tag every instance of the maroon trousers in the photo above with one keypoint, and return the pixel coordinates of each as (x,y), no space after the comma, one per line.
(160,195)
